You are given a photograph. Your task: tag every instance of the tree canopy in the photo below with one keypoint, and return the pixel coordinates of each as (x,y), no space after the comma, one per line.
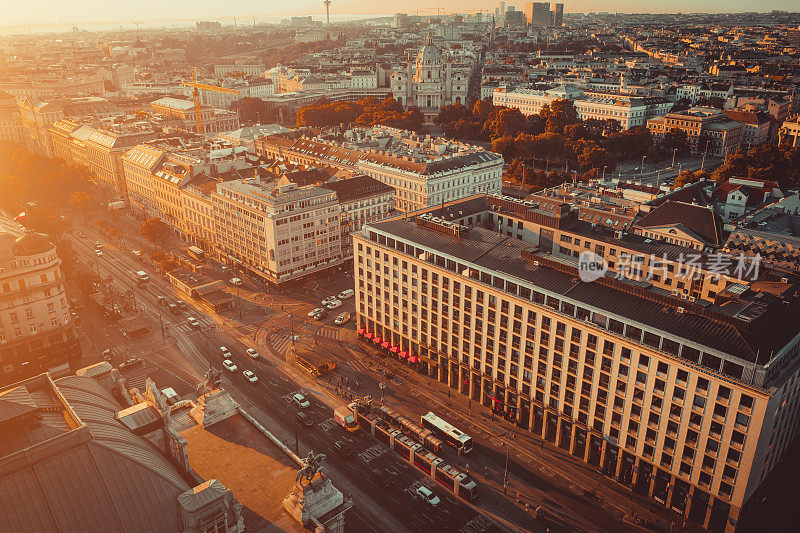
(154,230)
(366,112)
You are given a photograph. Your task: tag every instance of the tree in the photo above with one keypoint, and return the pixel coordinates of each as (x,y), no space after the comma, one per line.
(675,139)
(80,200)
(154,230)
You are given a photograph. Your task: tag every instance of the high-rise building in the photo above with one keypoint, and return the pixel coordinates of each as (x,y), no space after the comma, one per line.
(557,15)
(693,404)
(537,14)
(36,331)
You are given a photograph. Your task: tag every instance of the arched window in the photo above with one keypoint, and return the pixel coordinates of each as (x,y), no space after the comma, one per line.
(429,74)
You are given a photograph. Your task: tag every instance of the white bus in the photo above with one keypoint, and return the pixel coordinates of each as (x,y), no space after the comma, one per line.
(452,436)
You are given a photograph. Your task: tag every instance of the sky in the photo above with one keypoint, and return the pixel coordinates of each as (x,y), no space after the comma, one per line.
(60,12)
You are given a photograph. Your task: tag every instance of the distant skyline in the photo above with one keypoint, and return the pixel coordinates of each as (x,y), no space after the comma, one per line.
(59,12)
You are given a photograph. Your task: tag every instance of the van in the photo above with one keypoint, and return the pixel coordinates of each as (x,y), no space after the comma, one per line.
(170,395)
(141,275)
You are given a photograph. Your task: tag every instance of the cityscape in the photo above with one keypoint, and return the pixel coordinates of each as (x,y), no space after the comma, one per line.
(342,266)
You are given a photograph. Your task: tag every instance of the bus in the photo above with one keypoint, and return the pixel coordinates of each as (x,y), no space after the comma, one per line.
(314,363)
(407,427)
(452,436)
(196,253)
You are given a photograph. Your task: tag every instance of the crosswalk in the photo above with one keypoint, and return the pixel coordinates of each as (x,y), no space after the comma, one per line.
(281,342)
(336,333)
(185,327)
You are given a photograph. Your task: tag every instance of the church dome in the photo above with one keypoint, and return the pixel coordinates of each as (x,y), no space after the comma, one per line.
(32,243)
(429,54)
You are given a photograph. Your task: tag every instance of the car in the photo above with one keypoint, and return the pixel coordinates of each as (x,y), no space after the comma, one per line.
(193,322)
(230,365)
(316,311)
(341,319)
(328,300)
(252,353)
(170,396)
(82,235)
(334,304)
(252,378)
(137,253)
(224,352)
(175,309)
(320,316)
(98,246)
(294,338)
(98,253)
(74,316)
(342,449)
(162,300)
(133,362)
(380,478)
(304,419)
(236,281)
(346,294)
(300,401)
(183,305)
(425,494)
(74,303)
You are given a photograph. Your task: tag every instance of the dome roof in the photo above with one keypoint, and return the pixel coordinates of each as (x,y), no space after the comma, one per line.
(429,53)
(32,243)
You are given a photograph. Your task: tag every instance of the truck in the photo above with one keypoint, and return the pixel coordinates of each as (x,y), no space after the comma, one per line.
(344,417)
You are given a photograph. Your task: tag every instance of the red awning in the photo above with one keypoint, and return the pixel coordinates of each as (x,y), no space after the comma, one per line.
(403,354)
(361,331)
(377,340)
(369,335)
(394,349)
(413,359)
(385,344)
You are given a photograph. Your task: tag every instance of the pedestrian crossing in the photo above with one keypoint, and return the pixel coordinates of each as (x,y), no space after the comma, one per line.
(281,343)
(337,333)
(185,327)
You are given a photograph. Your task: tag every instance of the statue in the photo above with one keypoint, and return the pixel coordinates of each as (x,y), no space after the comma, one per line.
(210,382)
(313,465)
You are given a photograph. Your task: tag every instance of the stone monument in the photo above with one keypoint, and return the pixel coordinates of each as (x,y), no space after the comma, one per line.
(213,404)
(313,495)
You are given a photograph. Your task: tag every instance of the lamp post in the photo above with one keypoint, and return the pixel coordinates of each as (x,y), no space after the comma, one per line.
(604,172)
(674,151)
(641,168)
(505,474)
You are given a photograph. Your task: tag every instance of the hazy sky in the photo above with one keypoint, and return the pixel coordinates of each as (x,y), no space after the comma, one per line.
(76,11)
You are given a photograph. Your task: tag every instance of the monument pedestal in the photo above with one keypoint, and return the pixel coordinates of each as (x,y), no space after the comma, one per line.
(212,407)
(309,501)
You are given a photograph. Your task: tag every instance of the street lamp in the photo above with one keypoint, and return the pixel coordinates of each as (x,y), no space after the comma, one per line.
(604,172)
(674,151)
(641,168)
(505,474)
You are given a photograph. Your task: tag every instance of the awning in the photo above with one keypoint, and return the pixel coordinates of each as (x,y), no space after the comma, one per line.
(385,344)
(377,340)
(369,335)
(361,331)
(403,354)
(394,349)
(413,359)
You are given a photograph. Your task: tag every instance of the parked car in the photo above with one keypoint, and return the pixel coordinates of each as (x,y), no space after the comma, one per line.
(300,401)
(316,311)
(230,365)
(236,281)
(252,353)
(304,419)
(328,300)
(341,319)
(193,322)
(425,494)
(334,304)
(252,378)
(346,294)
(224,352)
(162,300)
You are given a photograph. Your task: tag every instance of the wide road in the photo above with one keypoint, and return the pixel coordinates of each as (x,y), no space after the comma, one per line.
(193,350)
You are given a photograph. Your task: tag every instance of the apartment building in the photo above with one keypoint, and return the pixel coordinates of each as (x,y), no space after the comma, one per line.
(707,130)
(629,110)
(423,170)
(276,229)
(214,120)
(36,331)
(246,88)
(690,404)
(10,127)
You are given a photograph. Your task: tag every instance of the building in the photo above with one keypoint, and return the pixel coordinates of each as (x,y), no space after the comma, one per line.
(676,400)
(707,130)
(757,125)
(557,14)
(629,110)
(430,81)
(214,120)
(10,126)
(537,14)
(277,230)
(424,171)
(36,331)
(245,88)
(789,133)
(362,200)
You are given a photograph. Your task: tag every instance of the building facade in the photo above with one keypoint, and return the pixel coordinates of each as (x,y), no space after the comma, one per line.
(707,130)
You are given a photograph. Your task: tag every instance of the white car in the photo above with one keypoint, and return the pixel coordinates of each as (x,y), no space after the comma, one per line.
(425,494)
(236,281)
(346,294)
(98,253)
(252,353)
(334,304)
(224,352)
(230,365)
(300,401)
(341,319)
(328,300)
(252,378)
(315,312)
(193,322)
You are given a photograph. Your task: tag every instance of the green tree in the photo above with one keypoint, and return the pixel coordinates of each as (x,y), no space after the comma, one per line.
(154,230)
(80,200)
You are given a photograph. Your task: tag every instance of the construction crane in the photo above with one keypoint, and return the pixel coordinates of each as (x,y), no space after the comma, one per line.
(328,9)
(198,114)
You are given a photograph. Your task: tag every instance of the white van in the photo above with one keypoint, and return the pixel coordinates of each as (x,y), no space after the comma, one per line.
(170,395)
(141,275)
(346,294)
